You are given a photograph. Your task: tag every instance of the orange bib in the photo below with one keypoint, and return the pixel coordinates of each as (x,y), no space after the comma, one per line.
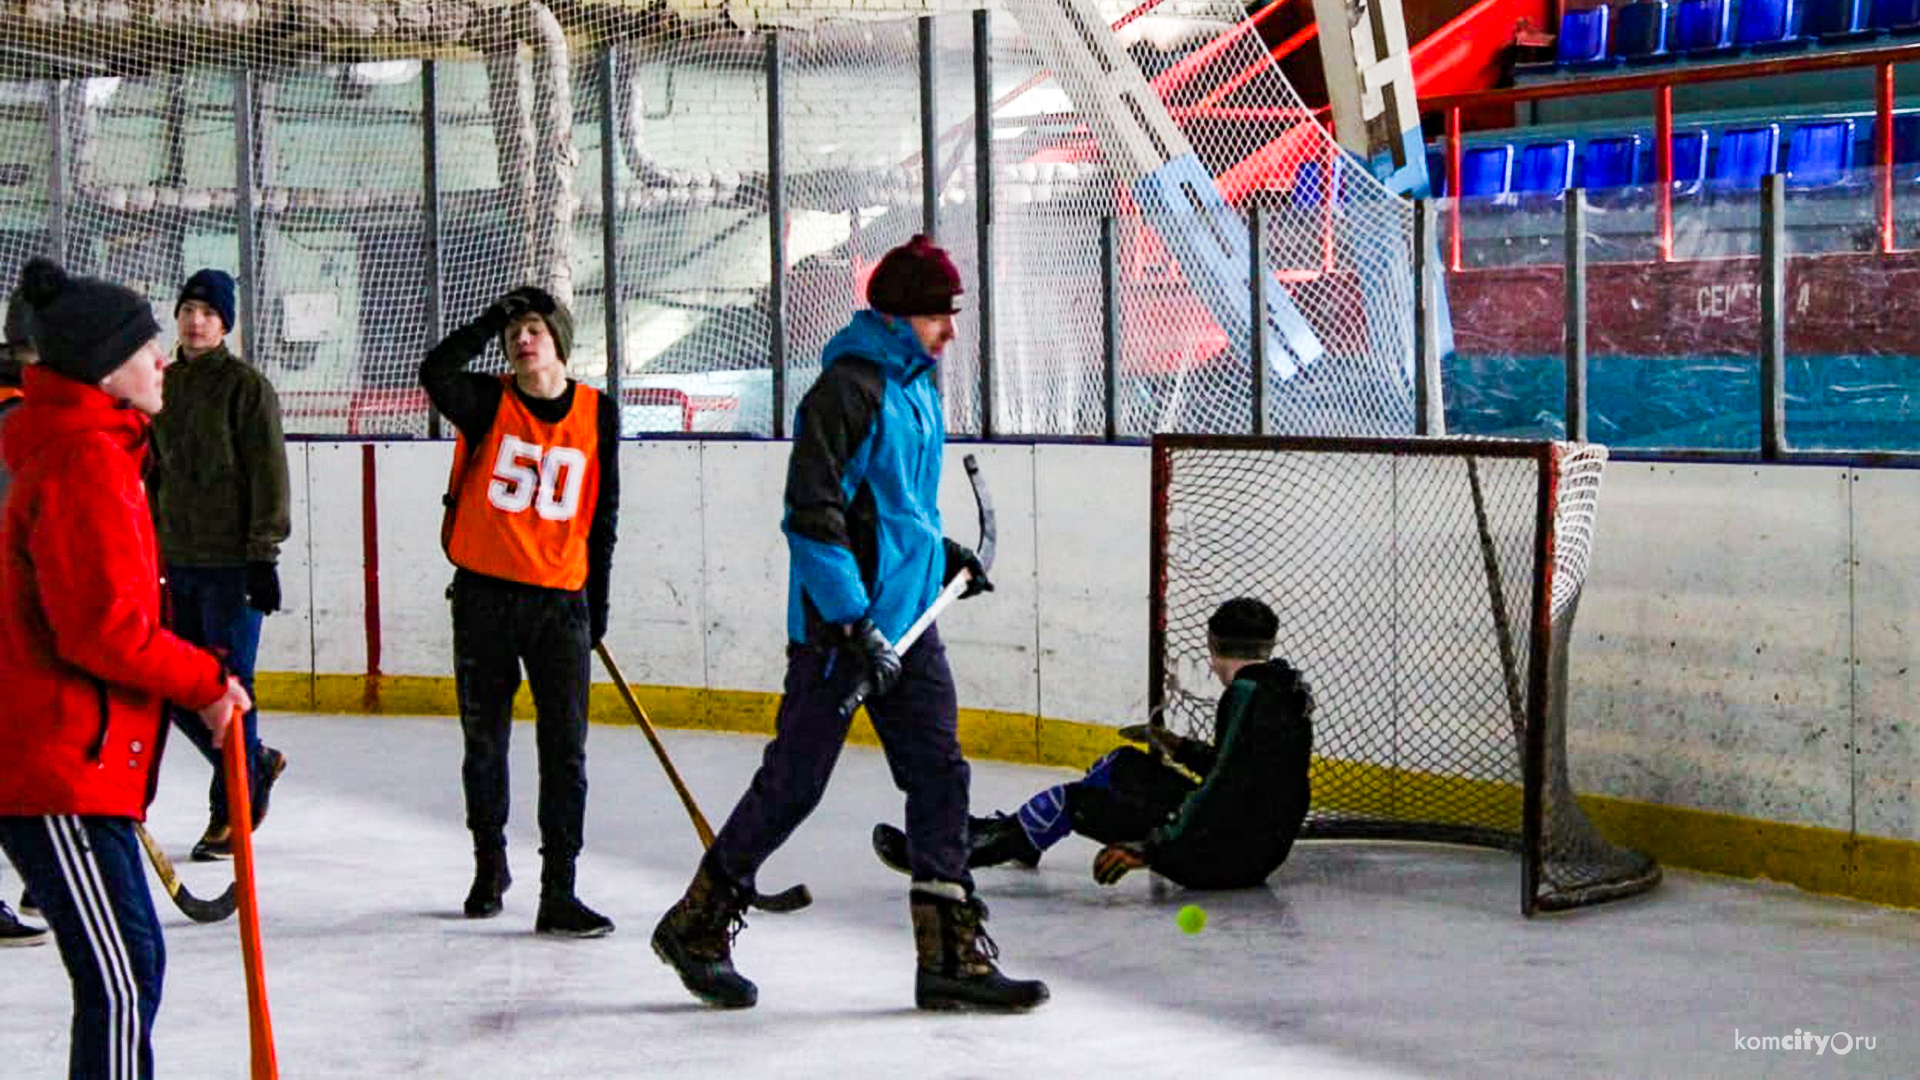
(520,504)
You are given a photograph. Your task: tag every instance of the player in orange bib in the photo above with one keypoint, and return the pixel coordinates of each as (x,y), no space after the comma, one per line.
(532,505)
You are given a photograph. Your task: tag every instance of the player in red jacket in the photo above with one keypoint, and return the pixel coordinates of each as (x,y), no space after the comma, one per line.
(86,664)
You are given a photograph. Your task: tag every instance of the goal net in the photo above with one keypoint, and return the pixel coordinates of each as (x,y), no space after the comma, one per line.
(1426,589)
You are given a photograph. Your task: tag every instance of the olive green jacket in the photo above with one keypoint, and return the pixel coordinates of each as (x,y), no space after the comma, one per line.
(219,480)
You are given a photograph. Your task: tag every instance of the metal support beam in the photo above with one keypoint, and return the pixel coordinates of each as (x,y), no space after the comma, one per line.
(243,200)
(929,131)
(1110,324)
(1257,320)
(57,209)
(430,241)
(610,221)
(1773,316)
(777,233)
(1575,257)
(983,205)
(1429,415)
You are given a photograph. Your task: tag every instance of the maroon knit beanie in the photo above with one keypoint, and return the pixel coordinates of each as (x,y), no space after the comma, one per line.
(916,278)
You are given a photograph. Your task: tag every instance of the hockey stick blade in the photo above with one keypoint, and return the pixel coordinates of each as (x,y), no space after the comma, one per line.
(989,531)
(201,911)
(789,899)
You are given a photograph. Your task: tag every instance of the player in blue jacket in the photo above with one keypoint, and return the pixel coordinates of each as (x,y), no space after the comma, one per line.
(867,556)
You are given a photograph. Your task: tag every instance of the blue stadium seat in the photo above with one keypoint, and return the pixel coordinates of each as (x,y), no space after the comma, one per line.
(1906,145)
(1820,154)
(1835,20)
(1895,16)
(1689,161)
(1437,171)
(1309,189)
(1486,170)
(1611,161)
(1583,36)
(1545,167)
(1745,155)
(1641,31)
(1703,26)
(1768,24)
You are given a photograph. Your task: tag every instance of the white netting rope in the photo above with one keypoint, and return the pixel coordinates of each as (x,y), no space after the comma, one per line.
(145,110)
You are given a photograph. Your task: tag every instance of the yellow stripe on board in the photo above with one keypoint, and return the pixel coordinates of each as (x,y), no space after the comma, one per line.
(1871,868)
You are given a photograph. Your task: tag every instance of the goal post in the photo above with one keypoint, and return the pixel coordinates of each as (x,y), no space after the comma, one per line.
(1426,589)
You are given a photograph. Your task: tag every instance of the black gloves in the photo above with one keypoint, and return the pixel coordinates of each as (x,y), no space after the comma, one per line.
(263,587)
(961,559)
(596,623)
(517,303)
(883,664)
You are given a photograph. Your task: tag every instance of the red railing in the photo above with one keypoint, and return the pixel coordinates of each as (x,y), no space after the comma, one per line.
(1661,83)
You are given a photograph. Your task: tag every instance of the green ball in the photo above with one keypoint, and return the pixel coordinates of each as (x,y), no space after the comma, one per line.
(1192,919)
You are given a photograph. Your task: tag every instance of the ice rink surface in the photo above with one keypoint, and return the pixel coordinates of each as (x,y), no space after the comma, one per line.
(1356,960)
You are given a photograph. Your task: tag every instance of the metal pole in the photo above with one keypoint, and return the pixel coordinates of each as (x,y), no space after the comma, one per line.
(983,205)
(1429,415)
(57,169)
(1773,316)
(776,235)
(1883,151)
(610,221)
(243,191)
(929,132)
(1663,170)
(1110,324)
(1576,314)
(430,239)
(1257,324)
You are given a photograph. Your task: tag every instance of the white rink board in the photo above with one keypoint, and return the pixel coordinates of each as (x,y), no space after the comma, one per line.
(1712,662)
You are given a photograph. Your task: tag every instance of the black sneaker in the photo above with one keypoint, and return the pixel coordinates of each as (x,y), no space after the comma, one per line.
(566,916)
(13,932)
(272,764)
(215,844)
(490,880)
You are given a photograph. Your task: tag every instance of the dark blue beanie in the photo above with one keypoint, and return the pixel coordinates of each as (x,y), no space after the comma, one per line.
(213,288)
(82,327)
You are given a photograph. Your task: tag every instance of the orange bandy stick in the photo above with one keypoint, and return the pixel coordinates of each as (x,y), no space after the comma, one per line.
(240,824)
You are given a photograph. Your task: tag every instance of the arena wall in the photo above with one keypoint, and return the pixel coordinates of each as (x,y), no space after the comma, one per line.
(1741,701)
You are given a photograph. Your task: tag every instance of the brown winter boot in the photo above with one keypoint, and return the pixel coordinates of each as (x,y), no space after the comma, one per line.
(695,938)
(956,955)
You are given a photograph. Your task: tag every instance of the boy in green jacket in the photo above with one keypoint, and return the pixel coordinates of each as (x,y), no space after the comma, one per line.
(219,494)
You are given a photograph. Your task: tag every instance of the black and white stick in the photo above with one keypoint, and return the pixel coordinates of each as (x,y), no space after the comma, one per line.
(947,595)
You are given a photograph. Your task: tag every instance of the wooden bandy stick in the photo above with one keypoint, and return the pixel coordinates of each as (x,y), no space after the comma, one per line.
(240,830)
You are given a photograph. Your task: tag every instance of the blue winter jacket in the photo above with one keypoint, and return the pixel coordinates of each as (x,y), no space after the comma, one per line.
(863,482)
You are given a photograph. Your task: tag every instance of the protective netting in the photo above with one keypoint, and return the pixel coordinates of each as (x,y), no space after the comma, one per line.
(405,161)
(1411,579)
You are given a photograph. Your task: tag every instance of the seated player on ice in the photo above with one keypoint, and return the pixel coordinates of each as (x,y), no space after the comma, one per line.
(1230,830)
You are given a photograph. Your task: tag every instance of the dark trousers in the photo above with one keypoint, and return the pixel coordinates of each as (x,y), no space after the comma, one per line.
(89,877)
(918,725)
(1126,795)
(210,609)
(498,626)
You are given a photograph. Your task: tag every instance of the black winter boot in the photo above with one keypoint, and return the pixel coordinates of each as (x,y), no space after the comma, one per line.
(490,881)
(999,839)
(561,912)
(956,955)
(695,938)
(990,842)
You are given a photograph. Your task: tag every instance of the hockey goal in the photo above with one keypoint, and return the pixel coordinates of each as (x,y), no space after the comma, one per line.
(1426,588)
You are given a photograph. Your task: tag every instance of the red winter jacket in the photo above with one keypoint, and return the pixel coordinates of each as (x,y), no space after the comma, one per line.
(85,665)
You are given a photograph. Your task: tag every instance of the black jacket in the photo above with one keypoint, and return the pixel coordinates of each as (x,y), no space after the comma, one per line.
(1239,825)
